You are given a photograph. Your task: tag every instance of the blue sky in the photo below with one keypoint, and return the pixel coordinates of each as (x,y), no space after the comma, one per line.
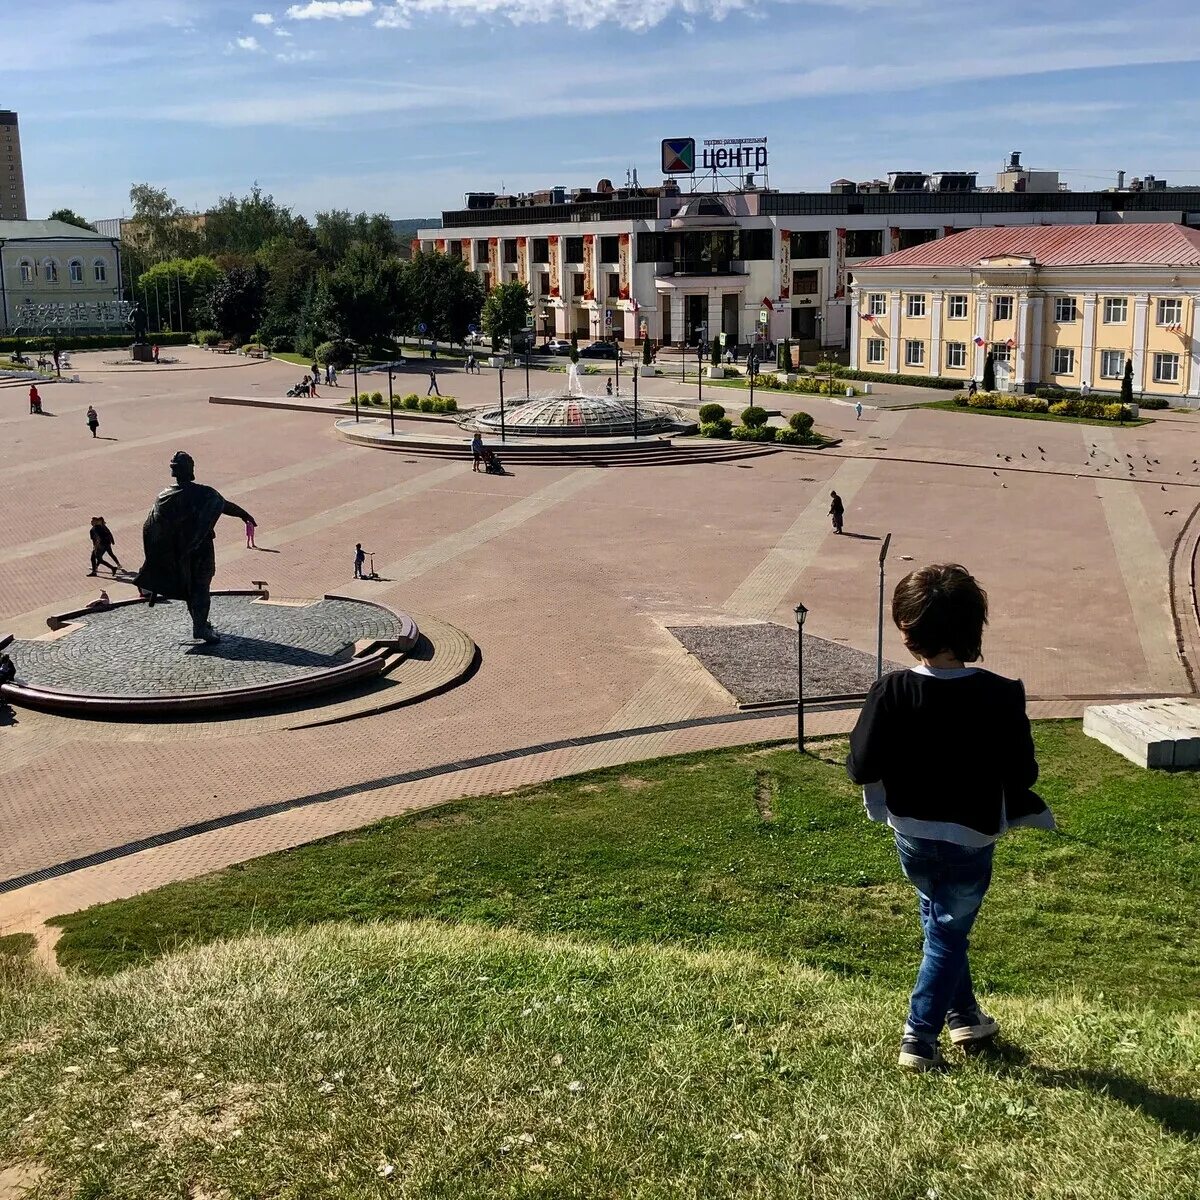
(401,107)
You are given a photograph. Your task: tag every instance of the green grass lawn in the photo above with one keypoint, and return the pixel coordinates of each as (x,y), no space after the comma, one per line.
(676,852)
(675,980)
(950,406)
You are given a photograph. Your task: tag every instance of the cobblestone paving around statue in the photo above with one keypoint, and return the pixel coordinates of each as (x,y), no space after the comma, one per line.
(141,651)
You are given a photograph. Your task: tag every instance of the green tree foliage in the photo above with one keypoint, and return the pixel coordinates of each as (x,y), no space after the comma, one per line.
(335,232)
(444,294)
(160,227)
(237,300)
(177,291)
(367,295)
(291,266)
(505,311)
(245,226)
(70,217)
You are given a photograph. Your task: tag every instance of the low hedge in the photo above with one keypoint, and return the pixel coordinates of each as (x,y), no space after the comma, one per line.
(1095,410)
(753,433)
(207,337)
(722,427)
(1003,402)
(925,381)
(1154,403)
(90,341)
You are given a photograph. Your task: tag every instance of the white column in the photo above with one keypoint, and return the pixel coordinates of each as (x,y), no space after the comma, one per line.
(714,313)
(1023,334)
(1088,352)
(893,332)
(935,334)
(856,298)
(1194,365)
(678,332)
(981,308)
(1033,362)
(1140,304)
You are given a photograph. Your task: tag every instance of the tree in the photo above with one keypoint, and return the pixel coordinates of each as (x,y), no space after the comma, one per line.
(291,274)
(505,311)
(336,231)
(70,217)
(160,227)
(244,226)
(237,300)
(178,289)
(1127,384)
(989,372)
(367,295)
(443,294)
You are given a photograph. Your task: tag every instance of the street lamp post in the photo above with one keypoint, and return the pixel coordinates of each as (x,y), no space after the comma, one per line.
(500,374)
(635,403)
(751,370)
(528,347)
(391,402)
(801,613)
(354,365)
(887,541)
(700,372)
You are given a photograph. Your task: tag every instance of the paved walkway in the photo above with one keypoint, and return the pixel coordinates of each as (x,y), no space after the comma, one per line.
(567,578)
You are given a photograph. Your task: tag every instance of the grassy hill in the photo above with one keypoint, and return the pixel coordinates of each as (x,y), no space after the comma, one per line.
(681,979)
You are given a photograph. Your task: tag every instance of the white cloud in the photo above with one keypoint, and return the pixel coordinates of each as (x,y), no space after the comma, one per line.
(247,43)
(263,19)
(279,31)
(327,10)
(296,56)
(583,14)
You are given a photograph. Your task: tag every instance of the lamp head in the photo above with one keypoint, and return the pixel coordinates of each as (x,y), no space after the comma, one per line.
(801,613)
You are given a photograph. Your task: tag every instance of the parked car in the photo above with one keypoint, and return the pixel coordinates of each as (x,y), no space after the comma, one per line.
(600,350)
(554,346)
(475,339)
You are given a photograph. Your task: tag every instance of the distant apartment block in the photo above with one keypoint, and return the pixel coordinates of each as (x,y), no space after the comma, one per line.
(12,178)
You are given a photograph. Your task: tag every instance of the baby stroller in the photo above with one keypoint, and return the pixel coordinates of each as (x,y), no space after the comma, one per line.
(491,464)
(301,389)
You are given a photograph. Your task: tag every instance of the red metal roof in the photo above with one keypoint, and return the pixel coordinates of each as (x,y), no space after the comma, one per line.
(1056,246)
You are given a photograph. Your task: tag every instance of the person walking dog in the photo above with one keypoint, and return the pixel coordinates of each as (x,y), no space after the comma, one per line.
(945,757)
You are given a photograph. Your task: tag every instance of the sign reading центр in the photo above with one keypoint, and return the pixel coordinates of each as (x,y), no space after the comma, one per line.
(722,154)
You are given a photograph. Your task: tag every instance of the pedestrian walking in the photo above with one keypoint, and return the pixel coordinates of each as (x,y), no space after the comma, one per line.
(608,386)
(154,351)
(329,374)
(93,420)
(837,510)
(1085,389)
(35,399)
(476,450)
(316,370)
(102,545)
(57,362)
(360,557)
(944,756)
(972,388)
(250,528)
(432,389)
(858,410)
(312,386)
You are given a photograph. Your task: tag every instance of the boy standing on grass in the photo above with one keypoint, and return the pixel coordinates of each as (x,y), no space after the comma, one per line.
(945,756)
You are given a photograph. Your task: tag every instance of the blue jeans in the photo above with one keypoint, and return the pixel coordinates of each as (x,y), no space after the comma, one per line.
(951,881)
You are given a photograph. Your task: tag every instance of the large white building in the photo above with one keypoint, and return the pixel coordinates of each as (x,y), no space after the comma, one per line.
(55,276)
(670,264)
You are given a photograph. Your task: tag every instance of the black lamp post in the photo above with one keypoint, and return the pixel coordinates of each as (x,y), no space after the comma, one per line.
(635,403)
(500,374)
(801,613)
(700,372)
(751,370)
(354,365)
(391,401)
(528,347)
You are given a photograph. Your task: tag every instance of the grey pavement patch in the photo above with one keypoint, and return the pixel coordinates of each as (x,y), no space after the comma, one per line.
(141,651)
(756,662)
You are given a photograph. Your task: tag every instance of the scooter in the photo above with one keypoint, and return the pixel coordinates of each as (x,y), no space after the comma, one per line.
(372,573)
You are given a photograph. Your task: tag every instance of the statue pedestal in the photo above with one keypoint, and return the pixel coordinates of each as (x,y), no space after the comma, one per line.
(141,352)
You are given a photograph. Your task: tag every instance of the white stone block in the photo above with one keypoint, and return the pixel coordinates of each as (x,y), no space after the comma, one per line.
(1162,734)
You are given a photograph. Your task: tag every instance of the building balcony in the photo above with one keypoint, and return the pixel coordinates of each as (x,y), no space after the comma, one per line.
(693,267)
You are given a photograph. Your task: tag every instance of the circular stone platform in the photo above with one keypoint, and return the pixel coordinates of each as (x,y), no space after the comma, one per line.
(132,659)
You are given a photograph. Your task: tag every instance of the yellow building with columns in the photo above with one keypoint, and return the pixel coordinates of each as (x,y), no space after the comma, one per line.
(1056,306)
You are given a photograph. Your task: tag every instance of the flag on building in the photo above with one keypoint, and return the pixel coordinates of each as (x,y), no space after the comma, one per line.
(979,341)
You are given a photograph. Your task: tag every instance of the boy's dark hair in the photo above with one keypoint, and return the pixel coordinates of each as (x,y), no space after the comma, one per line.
(941,607)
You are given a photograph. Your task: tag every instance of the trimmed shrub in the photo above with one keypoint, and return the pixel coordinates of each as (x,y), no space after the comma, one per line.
(787,437)
(1115,412)
(754,433)
(921,381)
(335,352)
(426,404)
(207,337)
(801,423)
(1155,403)
(754,417)
(412,401)
(449,404)
(710,413)
(720,428)
(961,399)
(377,397)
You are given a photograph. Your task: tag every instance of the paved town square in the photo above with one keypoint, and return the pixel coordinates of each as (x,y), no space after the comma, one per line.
(567,578)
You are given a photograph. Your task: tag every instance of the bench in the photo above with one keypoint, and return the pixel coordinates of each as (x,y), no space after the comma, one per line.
(257,352)
(224,347)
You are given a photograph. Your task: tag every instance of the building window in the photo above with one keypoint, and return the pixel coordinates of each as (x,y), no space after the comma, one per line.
(1065,311)
(1166,367)
(485,277)
(864,243)
(577,283)
(958,308)
(574,250)
(875,350)
(509,249)
(877,304)
(1112,364)
(805,283)
(541,250)
(1116,310)
(1002,308)
(610,248)
(1170,312)
(916,306)
(914,353)
(810,244)
(481,250)
(1001,352)
(956,354)
(1062,361)
(614,286)
(49,270)
(544,284)
(75,270)
(26,271)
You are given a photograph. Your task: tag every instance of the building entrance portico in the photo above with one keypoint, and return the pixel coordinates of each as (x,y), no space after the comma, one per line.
(690,308)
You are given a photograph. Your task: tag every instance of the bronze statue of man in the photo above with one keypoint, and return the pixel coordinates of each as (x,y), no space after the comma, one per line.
(178,540)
